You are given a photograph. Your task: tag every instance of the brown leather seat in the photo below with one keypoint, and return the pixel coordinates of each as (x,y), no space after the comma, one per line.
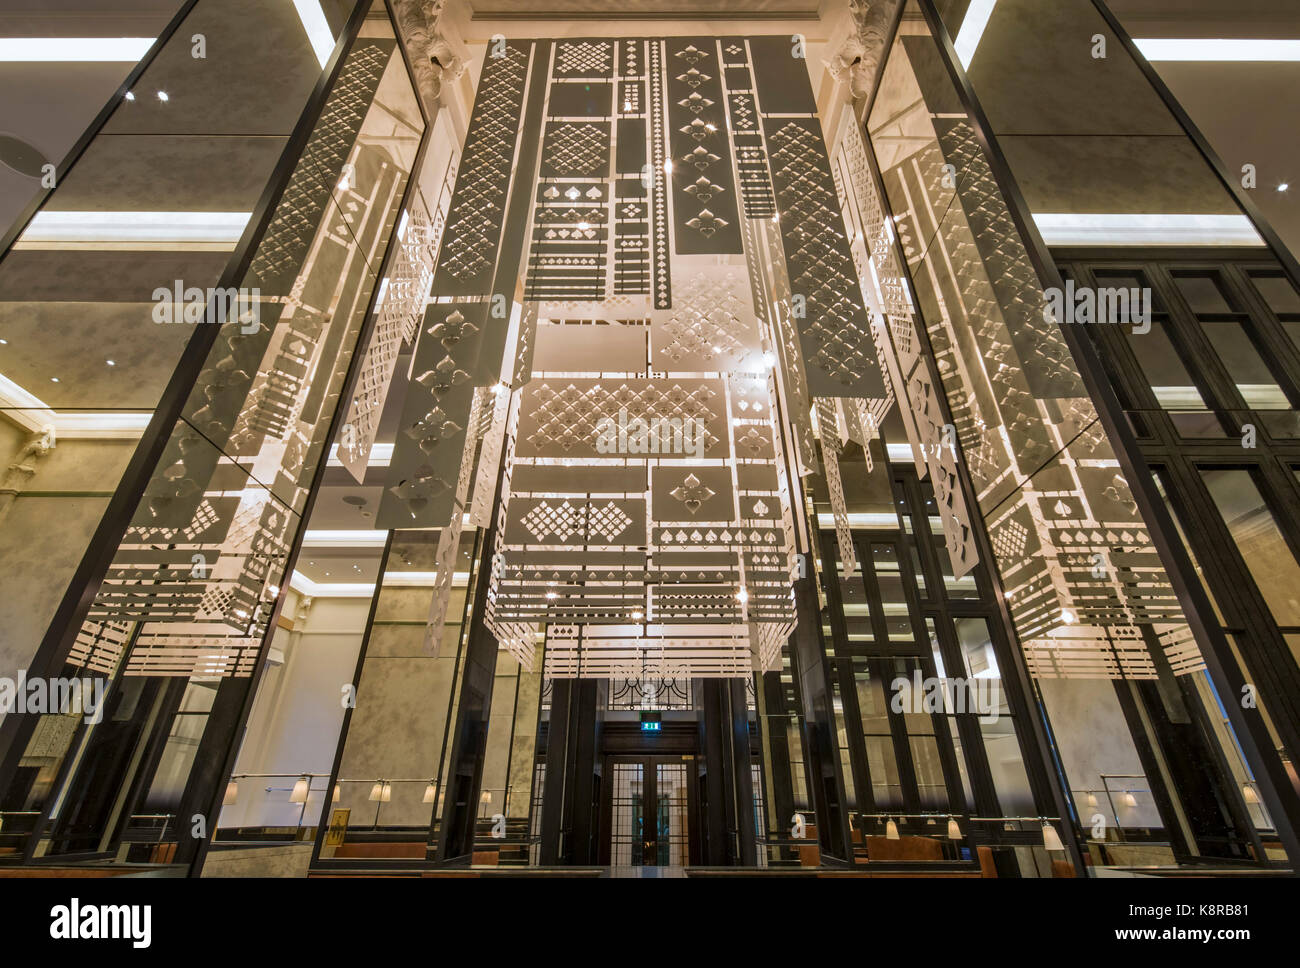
(904,848)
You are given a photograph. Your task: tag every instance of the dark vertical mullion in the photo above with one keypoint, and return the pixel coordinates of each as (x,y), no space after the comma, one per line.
(1194,346)
(1215,549)
(850,713)
(1113,344)
(921,634)
(886,667)
(1281,350)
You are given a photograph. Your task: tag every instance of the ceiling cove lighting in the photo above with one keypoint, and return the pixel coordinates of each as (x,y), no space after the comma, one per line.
(210,227)
(1141,229)
(1234,49)
(318,30)
(380,455)
(34,414)
(66,49)
(322,538)
(972,29)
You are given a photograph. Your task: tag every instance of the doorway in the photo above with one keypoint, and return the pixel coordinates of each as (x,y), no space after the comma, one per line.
(647,811)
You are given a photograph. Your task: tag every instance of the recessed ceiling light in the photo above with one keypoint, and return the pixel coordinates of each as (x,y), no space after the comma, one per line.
(162,96)
(54,379)
(111,362)
(1283,187)
(4,342)
(130,95)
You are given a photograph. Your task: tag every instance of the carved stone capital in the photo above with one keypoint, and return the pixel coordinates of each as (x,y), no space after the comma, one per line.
(417,22)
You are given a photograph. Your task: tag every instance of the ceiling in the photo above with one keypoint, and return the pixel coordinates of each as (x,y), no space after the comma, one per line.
(1247,111)
(60,100)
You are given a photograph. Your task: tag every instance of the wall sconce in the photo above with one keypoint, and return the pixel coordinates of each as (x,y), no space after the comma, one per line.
(954,830)
(429,792)
(301,789)
(1248,794)
(1129,799)
(335,797)
(232,794)
(1051,839)
(891,831)
(1092,799)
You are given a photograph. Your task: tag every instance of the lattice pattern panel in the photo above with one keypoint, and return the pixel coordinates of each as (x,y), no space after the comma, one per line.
(835,334)
(399,316)
(473,234)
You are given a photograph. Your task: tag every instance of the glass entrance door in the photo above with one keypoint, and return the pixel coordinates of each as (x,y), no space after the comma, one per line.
(648,812)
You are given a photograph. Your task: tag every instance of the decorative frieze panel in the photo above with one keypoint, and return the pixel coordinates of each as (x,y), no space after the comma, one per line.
(706,213)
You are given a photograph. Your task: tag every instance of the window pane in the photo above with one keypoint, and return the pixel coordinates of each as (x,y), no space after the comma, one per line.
(929,773)
(1258,539)
(1202,292)
(1253,378)
(1008,768)
(1278,293)
(1163,369)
